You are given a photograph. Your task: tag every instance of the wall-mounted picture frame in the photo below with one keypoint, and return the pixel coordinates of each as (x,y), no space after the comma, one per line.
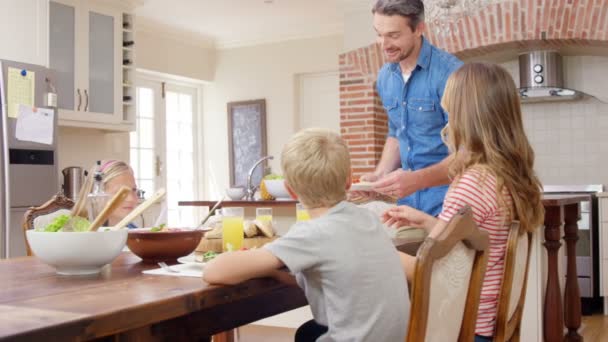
(246,140)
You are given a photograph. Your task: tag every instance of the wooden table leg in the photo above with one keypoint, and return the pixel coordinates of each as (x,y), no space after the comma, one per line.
(226,336)
(553,322)
(572,296)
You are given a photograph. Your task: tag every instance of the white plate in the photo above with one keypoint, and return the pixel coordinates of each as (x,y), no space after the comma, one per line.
(189,259)
(362,186)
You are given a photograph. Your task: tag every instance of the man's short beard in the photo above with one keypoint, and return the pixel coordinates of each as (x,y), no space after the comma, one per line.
(406,54)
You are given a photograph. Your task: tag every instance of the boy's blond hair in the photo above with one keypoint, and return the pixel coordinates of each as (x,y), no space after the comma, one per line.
(316,165)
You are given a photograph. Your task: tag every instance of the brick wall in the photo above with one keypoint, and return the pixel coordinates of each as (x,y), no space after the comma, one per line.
(515,25)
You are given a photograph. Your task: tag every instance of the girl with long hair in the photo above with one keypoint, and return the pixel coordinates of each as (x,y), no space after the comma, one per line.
(492,167)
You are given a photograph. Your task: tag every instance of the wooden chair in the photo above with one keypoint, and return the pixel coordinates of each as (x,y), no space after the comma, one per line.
(41,216)
(513,288)
(450,266)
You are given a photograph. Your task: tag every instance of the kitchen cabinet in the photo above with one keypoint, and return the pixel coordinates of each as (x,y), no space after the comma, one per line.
(24,31)
(603,247)
(86,50)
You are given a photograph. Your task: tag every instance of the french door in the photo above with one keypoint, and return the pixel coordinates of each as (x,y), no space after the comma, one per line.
(163,147)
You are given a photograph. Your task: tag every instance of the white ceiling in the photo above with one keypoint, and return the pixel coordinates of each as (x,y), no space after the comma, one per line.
(231,23)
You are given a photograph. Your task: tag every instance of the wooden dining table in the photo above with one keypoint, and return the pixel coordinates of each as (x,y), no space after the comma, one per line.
(122,303)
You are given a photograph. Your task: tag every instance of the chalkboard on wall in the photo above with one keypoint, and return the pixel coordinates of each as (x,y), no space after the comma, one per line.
(246,140)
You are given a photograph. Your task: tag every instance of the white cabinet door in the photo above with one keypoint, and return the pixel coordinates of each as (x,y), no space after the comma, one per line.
(85,47)
(62,53)
(102,74)
(23,31)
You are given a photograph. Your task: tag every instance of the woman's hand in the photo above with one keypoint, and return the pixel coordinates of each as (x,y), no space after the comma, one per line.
(404,215)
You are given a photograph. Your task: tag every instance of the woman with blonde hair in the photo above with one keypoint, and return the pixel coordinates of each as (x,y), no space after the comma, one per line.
(492,169)
(113,174)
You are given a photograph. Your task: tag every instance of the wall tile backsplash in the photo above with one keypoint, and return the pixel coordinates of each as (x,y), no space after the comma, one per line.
(570,139)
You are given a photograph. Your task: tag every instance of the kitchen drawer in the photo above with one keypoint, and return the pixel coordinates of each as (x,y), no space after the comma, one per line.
(583,266)
(585,287)
(603,243)
(604,278)
(603,204)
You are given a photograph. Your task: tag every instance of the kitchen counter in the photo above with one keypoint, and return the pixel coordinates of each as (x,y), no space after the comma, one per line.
(241,203)
(283,212)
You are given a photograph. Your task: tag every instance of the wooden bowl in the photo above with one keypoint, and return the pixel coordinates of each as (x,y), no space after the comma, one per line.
(154,247)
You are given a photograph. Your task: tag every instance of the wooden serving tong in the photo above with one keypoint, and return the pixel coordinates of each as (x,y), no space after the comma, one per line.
(109,208)
(140,209)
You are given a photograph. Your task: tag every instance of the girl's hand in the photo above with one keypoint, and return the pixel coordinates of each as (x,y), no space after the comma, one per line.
(404,215)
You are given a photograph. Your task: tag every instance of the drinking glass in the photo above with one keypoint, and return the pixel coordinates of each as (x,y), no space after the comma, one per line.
(263,214)
(232,228)
(301,213)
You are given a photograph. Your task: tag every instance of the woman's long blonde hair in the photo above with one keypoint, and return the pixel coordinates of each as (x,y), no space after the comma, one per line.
(486,131)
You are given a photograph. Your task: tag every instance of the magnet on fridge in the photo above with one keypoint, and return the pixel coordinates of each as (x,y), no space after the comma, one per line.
(23,72)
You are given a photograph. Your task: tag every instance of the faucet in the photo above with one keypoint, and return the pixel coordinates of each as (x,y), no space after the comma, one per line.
(252,188)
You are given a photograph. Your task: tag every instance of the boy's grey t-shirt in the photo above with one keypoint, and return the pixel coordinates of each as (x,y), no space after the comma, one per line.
(350,273)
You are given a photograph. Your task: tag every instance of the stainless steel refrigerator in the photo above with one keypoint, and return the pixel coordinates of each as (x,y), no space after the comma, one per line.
(28,170)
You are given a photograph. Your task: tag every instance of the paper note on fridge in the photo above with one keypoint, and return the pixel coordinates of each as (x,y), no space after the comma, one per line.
(35,125)
(21,90)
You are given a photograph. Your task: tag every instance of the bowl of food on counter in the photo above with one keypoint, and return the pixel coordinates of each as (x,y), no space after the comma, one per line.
(163,243)
(273,187)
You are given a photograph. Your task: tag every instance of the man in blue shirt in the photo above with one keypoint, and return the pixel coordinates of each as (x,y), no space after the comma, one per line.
(414,163)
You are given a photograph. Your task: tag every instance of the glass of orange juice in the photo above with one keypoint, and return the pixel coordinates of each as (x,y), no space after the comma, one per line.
(301,213)
(232,228)
(263,214)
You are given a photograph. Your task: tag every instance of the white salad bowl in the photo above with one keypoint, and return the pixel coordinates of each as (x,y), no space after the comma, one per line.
(276,188)
(77,253)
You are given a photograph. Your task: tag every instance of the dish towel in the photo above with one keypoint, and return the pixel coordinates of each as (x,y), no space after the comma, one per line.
(185,270)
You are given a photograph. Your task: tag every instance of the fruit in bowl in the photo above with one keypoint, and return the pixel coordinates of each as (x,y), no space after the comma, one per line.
(163,244)
(276,188)
(77,253)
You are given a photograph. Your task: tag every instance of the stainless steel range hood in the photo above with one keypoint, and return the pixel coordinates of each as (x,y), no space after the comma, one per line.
(541,78)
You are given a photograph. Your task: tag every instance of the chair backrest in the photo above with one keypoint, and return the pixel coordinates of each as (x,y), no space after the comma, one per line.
(450,266)
(41,216)
(513,287)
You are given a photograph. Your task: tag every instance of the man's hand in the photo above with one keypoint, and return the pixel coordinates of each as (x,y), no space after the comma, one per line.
(399,183)
(363,196)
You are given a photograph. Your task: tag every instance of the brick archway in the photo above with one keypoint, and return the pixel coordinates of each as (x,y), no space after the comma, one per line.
(509,25)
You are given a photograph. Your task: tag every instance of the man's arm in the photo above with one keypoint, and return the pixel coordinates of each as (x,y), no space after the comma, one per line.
(401,183)
(389,161)
(236,267)
(435,175)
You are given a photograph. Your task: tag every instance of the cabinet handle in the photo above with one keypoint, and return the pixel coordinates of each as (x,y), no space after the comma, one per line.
(79,98)
(86,100)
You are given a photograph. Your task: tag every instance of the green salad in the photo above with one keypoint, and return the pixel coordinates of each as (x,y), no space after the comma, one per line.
(79,224)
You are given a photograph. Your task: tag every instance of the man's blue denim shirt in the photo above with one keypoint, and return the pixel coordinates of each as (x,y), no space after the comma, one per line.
(415,117)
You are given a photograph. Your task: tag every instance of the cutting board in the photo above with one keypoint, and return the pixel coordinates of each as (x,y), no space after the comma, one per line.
(216,244)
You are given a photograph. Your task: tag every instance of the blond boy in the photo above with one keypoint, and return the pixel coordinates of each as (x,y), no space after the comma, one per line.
(349,269)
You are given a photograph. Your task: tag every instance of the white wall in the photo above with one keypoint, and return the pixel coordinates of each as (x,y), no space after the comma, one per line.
(180,55)
(259,72)
(569,138)
(82,147)
(358,26)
